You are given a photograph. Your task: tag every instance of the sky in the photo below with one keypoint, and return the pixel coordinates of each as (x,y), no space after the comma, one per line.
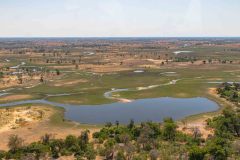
(119,18)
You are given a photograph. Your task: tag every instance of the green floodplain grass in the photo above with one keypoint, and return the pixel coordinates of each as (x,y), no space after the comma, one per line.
(193,82)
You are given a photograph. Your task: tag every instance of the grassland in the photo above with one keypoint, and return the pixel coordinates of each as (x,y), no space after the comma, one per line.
(113,66)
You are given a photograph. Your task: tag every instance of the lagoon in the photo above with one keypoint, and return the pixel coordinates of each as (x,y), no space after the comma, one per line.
(142,110)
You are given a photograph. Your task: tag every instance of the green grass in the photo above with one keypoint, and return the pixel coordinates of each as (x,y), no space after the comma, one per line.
(193,83)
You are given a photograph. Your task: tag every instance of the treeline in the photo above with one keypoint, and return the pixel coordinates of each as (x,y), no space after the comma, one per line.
(138,142)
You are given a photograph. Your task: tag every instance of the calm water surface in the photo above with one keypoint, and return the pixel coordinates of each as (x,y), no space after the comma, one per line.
(140,110)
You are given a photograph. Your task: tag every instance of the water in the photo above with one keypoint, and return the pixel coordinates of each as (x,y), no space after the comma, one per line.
(140,110)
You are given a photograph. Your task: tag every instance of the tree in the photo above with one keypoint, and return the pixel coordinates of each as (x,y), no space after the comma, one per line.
(2,154)
(109,149)
(56,146)
(1,74)
(71,143)
(169,129)
(218,148)
(15,142)
(20,79)
(76,66)
(196,133)
(117,123)
(57,72)
(46,138)
(108,124)
(90,153)
(196,153)
(146,137)
(124,138)
(209,60)
(226,125)
(39,150)
(131,124)
(84,139)
(120,156)
(41,79)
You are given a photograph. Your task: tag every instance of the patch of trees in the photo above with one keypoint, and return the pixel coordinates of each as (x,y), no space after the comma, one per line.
(80,147)
(185,59)
(230,91)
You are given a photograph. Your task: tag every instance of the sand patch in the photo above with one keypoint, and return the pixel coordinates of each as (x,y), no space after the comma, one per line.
(200,124)
(63,67)
(15,97)
(156,61)
(182,95)
(213,91)
(12,118)
(73,101)
(214,79)
(109,68)
(69,83)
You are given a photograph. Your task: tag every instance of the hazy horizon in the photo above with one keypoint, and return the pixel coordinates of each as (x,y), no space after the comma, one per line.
(119,18)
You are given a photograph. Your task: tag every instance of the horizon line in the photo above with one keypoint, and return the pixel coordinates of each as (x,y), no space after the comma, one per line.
(118,37)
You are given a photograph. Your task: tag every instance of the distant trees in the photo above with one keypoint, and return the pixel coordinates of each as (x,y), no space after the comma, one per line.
(1,74)
(76,66)
(57,72)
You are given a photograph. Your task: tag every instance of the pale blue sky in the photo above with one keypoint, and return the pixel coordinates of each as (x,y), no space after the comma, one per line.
(93,18)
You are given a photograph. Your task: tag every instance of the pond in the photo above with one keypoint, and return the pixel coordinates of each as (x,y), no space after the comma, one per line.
(155,109)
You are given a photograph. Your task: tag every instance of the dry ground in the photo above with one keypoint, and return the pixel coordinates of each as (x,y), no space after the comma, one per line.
(18,97)
(187,126)
(30,123)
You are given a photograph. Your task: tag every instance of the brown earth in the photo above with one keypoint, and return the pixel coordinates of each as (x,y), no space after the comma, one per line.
(15,97)
(32,127)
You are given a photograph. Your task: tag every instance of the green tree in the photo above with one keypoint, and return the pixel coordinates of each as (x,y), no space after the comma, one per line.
(71,143)
(169,129)
(90,153)
(46,138)
(218,148)
(1,74)
(131,124)
(56,146)
(57,72)
(196,153)
(84,139)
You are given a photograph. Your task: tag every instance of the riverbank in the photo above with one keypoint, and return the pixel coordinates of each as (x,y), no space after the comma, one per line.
(199,121)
